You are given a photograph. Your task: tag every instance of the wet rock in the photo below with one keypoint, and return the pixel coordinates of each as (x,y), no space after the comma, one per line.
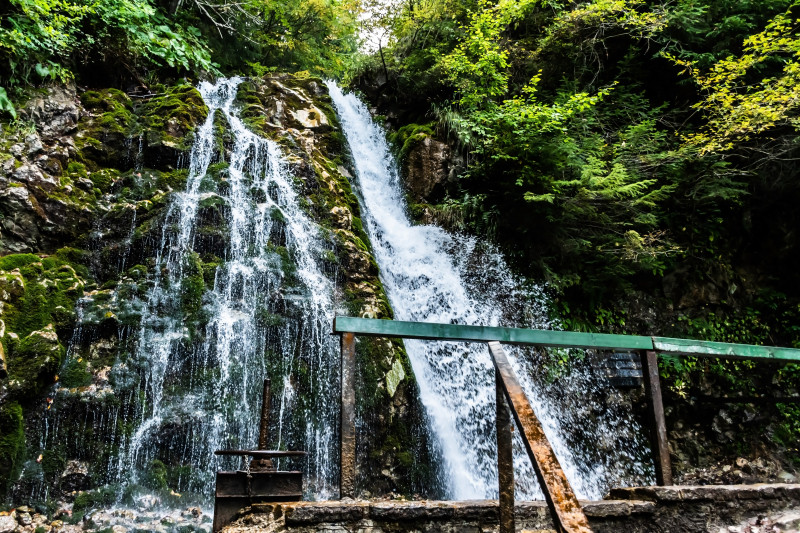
(8,523)
(75,476)
(35,363)
(342,218)
(55,112)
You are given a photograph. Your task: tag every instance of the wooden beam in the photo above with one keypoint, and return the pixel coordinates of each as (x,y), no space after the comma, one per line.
(455,332)
(505,458)
(658,425)
(347,476)
(564,507)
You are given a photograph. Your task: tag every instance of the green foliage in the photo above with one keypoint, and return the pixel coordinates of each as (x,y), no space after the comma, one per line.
(739,103)
(591,158)
(50,39)
(127,40)
(6,106)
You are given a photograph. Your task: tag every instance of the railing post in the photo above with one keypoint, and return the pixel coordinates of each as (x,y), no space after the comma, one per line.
(505,459)
(347,476)
(658,426)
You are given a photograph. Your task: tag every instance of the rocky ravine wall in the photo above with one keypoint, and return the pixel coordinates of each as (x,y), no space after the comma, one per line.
(85,179)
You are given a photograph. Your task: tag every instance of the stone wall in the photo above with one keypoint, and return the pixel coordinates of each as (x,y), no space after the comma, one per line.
(695,509)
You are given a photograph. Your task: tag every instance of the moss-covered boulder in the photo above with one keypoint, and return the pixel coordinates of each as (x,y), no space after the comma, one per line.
(105,128)
(167,122)
(34,363)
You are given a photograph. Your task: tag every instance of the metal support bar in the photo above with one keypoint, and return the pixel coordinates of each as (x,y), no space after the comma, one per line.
(505,459)
(658,426)
(564,507)
(347,479)
(263,430)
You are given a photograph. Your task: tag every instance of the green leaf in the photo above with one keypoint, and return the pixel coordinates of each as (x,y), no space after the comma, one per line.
(5,104)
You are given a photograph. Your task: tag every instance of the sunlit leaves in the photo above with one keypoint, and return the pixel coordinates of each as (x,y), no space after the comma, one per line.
(738,103)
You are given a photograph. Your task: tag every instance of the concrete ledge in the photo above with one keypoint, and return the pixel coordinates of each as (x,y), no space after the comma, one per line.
(694,509)
(760,491)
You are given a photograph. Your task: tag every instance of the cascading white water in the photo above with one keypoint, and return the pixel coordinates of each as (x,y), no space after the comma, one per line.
(236,352)
(433,276)
(192,383)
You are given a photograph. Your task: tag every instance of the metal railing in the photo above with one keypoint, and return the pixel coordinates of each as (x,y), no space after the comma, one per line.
(564,506)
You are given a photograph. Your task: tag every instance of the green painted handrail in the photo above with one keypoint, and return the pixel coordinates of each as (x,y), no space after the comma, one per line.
(723,349)
(455,332)
(567,339)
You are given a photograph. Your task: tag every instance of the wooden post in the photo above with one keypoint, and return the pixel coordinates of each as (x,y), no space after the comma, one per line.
(347,476)
(505,460)
(658,426)
(564,507)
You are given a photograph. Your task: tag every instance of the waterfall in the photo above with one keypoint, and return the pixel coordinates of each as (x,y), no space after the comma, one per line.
(431,275)
(190,381)
(221,400)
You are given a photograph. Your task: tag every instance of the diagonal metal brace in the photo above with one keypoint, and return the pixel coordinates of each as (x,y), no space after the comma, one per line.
(564,507)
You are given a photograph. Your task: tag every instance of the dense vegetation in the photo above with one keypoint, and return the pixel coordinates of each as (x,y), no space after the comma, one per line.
(631,152)
(639,155)
(125,42)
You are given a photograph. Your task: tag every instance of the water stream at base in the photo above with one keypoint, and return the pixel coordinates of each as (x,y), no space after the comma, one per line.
(432,275)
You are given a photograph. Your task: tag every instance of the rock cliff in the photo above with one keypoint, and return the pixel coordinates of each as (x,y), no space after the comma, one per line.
(86,181)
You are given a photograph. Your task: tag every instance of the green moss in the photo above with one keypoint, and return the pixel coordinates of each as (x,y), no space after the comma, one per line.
(12,442)
(34,363)
(77,170)
(175,180)
(53,461)
(210,264)
(85,501)
(193,285)
(105,100)
(103,179)
(175,113)
(102,134)
(222,131)
(408,136)
(50,283)
(155,477)
(14,261)
(75,373)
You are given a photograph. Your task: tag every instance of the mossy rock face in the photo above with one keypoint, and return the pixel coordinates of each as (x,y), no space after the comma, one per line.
(12,441)
(298,114)
(167,122)
(155,133)
(34,363)
(103,132)
(40,291)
